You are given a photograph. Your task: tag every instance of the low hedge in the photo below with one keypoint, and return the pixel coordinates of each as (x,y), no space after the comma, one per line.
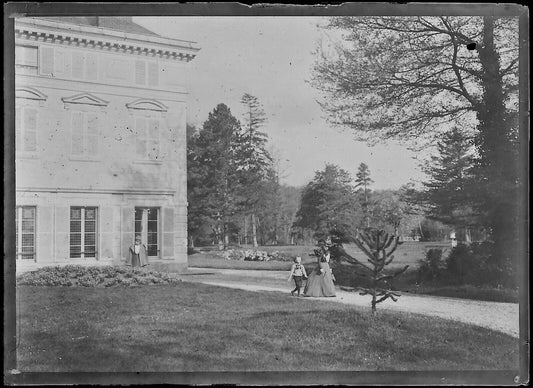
(94,276)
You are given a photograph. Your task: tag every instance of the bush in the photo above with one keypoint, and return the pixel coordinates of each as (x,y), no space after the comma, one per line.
(96,276)
(475,264)
(432,267)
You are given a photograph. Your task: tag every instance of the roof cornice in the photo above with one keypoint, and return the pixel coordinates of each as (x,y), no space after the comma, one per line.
(105,39)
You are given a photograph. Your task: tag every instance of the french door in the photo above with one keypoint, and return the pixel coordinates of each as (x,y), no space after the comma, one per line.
(147,226)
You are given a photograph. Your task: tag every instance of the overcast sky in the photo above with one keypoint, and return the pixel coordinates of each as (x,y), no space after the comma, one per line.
(272,59)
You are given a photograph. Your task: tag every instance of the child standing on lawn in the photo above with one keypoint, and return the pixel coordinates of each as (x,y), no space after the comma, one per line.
(297,273)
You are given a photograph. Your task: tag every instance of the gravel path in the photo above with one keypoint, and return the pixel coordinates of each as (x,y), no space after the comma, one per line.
(502,317)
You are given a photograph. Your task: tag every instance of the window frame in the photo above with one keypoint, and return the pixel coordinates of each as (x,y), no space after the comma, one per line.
(83,232)
(19,211)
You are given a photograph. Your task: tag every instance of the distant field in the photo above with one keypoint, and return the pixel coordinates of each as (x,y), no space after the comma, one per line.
(408,253)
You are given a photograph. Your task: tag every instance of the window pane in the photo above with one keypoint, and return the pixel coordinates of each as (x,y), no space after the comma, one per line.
(90,226)
(90,213)
(75,213)
(75,239)
(152,214)
(90,239)
(28,213)
(138,213)
(28,242)
(152,226)
(90,251)
(152,238)
(152,250)
(28,226)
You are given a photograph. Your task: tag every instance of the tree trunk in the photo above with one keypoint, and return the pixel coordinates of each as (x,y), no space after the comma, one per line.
(254,232)
(191,241)
(245,230)
(498,162)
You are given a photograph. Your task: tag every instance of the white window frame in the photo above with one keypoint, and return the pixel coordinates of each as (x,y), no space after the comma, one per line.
(144,233)
(82,232)
(19,252)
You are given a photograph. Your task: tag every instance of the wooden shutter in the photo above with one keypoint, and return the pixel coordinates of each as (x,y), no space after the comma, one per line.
(77,133)
(153,74)
(140,73)
(92,134)
(77,65)
(30,129)
(91,66)
(47,60)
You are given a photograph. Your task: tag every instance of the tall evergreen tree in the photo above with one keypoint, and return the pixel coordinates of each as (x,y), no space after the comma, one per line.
(449,193)
(213,182)
(254,162)
(362,183)
(328,202)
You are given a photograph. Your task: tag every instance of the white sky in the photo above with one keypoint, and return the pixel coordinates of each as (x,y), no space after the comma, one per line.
(271,58)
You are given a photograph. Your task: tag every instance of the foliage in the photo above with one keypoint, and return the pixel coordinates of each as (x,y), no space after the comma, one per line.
(408,78)
(416,78)
(432,266)
(476,264)
(102,276)
(362,185)
(450,192)
(329,202)
(212,188)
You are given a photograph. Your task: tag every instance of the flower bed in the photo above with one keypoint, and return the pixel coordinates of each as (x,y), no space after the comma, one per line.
(252,255)
(101,276)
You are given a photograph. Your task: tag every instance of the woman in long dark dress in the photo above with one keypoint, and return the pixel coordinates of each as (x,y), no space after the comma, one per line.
(320,280)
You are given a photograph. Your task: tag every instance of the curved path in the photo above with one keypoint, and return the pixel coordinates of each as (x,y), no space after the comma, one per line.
(503,317)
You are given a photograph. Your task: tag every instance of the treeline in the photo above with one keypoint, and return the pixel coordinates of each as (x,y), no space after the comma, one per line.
(334,200)
(233,187)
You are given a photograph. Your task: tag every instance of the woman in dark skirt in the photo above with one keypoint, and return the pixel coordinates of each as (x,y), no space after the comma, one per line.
(137,256)
(320,281)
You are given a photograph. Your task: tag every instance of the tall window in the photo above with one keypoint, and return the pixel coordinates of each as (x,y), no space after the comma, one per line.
(84,133)
(83,232)
(26,58)
(26,129)
(146,225)
(25,233)
(147,138)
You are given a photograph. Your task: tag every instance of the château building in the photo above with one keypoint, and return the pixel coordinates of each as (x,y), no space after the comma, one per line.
(100,141)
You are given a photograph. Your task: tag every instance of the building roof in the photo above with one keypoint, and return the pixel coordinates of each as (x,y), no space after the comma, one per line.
(117,23)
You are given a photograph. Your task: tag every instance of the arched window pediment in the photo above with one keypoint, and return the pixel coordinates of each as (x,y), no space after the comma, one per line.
(146,104)
(30,94)
(85,99)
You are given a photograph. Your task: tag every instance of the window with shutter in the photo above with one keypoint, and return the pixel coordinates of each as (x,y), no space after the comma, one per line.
(47,60)
(78,65)
(153,74)
(91,66)
(147,138)
(26,129)
(25,232)
(85,132)
(140,73)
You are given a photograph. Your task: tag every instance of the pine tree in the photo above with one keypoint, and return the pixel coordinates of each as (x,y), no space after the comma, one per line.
(253,161)
(362,182)
(212,182)
(328,202)
(450,192)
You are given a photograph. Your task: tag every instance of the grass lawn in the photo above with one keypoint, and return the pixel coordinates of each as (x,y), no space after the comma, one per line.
(196,327)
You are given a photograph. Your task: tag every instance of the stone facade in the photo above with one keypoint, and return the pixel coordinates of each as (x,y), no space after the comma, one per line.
(100,143)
